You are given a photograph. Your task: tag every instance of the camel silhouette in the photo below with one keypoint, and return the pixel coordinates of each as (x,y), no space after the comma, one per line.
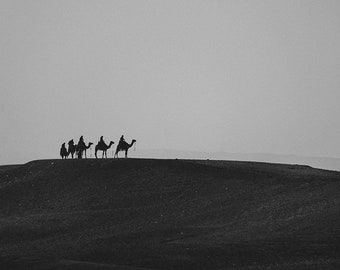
(71,148)
(102,146)
(87,147)
(63,151)
(124,146)
(81,149)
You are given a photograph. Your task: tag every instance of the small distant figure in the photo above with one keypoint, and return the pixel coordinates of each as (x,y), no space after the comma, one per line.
(101,142)
(101,145)
(123,146)
(71,148)
(85,148)
(63,151)
(121,140)
(81,141)
(81,147)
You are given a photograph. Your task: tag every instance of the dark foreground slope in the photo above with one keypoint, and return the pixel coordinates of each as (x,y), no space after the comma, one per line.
(168,214)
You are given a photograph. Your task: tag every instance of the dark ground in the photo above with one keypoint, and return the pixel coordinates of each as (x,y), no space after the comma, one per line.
(168,214)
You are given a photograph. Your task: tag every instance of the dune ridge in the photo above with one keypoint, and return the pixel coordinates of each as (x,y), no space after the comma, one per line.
(168,214)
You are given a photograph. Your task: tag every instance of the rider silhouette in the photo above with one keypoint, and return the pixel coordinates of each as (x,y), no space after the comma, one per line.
(81,141)
(80,146)
(122,140)
(63,151)
(101,141)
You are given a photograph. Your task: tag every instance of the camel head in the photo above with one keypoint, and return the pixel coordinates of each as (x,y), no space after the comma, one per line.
(111,143)
(90,143)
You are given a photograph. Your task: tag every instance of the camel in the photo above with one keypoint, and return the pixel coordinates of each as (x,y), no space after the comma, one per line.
(82,149)
(124,146)
(103,147)
(71,148)
(63,151)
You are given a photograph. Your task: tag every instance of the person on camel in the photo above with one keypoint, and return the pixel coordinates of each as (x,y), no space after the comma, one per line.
(122,140)
(101,141)
(80,146)
(81,142)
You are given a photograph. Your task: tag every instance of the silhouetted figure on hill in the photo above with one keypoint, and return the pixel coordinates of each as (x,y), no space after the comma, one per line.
(121,140)
(103,147)
(81,146)
(81,142)
(101,142)
(82,149)
(123,146)
(71,148)
(63,151)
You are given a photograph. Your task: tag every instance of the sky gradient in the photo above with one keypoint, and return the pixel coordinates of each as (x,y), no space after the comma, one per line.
(233,76)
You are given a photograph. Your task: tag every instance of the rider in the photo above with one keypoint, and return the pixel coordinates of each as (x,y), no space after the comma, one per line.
(81,141)
(80,147)
(122,140)
(63,151)
(101,141)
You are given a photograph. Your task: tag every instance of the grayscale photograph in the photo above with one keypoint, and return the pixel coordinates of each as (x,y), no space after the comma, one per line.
(170,134)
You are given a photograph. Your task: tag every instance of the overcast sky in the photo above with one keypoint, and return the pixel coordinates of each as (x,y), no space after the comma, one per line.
(213,75)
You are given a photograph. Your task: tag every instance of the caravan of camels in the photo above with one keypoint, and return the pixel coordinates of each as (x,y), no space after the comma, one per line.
(79,150)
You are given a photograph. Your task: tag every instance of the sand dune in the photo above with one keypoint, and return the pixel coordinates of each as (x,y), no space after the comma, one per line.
(73,265)
(168,214)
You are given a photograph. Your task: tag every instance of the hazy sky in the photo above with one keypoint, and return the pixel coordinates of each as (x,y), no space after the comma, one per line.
(213,75)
